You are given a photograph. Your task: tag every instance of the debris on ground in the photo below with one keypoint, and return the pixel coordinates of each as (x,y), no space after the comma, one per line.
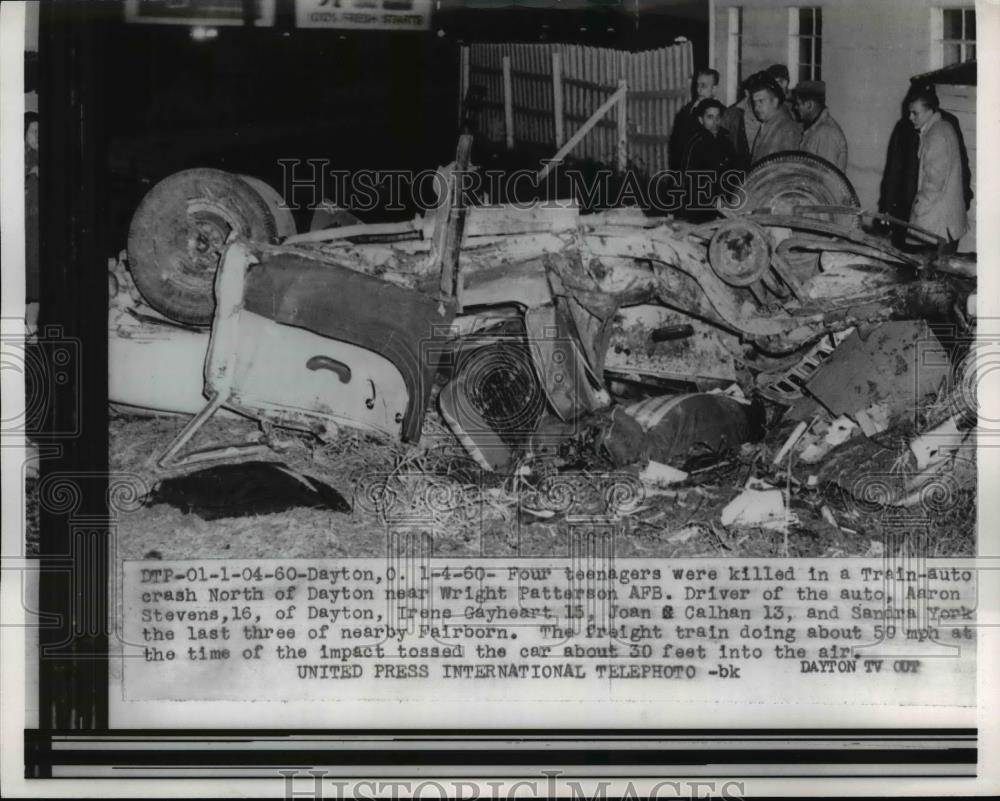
(790,443)
(937,445)
(657,474)
(758,506)
(824,436)
(882,374)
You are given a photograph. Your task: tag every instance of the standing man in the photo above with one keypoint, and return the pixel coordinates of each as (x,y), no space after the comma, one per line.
(709,154)
(734,125)
(704,85)
(899,180)
(939,205)
(739,121)
(778,131)
(822,136)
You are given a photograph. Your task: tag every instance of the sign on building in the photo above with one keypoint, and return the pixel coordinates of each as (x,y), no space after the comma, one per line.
(197,12)
(364,14)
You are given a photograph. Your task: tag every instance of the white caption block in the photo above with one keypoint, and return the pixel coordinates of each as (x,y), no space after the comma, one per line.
(544,629)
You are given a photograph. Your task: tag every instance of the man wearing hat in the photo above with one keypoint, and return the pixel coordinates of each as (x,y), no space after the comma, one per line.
(822,136)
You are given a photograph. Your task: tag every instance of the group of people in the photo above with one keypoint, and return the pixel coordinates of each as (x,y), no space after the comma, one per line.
(711,138)
(927,179)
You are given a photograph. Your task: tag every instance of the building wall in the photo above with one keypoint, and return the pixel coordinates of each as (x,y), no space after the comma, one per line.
(871,49)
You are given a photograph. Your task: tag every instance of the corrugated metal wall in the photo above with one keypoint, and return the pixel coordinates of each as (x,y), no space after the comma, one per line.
(658,85)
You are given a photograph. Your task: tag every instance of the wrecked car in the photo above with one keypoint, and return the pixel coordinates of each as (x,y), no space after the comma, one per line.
(521,326)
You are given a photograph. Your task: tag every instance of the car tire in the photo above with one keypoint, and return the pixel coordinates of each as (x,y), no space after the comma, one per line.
(793,178)
(179,232)
(284,222)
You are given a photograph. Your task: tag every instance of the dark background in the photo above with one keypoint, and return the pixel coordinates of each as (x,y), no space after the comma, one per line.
(368,99)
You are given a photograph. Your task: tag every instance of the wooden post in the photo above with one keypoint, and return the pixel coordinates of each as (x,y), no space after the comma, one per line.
(508,103)
(622,124)
(463,83)
(452,225)
(581,132)
(557,98)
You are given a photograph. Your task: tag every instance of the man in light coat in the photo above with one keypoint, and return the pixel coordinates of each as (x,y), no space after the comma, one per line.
(822,136)
(778,131)
(939,205)
(902,167)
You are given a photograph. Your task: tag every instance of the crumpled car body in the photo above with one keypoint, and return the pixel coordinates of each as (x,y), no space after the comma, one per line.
(324,331)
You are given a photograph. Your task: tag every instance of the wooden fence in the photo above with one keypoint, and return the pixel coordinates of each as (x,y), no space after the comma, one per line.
(540,94)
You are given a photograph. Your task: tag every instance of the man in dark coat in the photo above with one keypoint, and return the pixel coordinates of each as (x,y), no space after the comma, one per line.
(734,124)
(708,155)
(685,123)
(899,180)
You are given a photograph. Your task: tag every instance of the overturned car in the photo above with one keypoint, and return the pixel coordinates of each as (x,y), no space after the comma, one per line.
(520,326)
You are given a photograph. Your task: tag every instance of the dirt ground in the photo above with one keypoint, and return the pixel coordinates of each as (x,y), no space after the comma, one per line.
(469,513)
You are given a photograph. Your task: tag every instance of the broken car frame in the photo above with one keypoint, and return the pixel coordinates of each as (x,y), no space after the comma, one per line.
(347,326)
